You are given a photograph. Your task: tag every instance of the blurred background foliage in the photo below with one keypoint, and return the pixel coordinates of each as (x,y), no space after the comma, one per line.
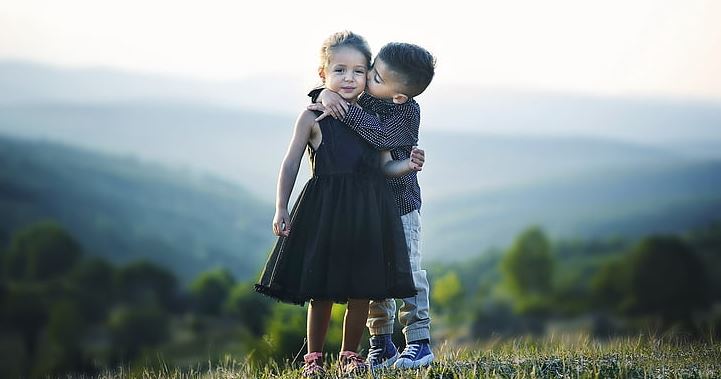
(64,310)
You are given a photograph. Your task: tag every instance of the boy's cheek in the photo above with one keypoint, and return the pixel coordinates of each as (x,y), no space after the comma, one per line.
(370,89)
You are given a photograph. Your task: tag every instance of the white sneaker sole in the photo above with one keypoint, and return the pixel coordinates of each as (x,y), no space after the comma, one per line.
(387,363)
(407,363)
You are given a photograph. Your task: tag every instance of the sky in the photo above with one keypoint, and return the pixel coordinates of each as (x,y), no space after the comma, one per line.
(667,48)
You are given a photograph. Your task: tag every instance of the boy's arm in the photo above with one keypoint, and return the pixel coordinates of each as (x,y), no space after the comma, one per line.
(289,172)
(395,168)
(397,127)
(331,103)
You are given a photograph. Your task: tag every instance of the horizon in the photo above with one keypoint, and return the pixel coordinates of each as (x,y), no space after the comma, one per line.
(446,108)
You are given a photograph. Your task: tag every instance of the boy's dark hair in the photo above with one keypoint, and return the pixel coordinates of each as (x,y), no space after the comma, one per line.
(414,64)
(345,38)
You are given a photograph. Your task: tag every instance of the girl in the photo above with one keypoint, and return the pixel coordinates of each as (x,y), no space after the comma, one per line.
(343,241)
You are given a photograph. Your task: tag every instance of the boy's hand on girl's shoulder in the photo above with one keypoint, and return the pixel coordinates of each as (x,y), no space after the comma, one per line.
(330,103)
(281,223)
(417,159)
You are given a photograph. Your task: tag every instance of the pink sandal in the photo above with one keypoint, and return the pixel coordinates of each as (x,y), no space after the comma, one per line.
(313,365)
(351,363)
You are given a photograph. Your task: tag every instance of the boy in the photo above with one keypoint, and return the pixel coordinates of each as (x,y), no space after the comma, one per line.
(389,120)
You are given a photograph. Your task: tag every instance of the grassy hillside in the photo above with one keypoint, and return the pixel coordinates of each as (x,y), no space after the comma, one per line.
(126,210)
(552,357)
(241,146)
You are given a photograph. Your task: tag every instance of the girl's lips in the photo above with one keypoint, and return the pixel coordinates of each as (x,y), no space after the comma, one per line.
(347,89)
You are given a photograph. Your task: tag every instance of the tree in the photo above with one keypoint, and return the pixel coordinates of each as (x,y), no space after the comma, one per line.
(40,252)
(145,283)
(610,285)
(249,307)
(136,328)
(210,290)
(25,309)
(91,282)
(667,279)
(527,269)
(286,330)
(447,291)
(62,351)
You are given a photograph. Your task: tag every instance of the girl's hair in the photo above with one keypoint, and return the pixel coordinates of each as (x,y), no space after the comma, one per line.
(343,39)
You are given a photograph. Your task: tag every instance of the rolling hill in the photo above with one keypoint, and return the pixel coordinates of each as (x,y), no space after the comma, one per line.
(124,209)
(578,165)
(631,203)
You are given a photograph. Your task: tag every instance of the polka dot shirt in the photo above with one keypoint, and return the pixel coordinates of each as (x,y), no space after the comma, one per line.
(394,127)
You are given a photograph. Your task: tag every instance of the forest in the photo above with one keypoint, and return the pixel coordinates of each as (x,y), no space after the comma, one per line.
(66,311)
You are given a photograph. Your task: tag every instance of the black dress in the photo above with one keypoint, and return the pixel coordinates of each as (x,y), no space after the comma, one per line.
(346,239)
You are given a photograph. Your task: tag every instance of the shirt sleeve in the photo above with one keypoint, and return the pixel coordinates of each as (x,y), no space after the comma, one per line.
(398,127)
(371,103)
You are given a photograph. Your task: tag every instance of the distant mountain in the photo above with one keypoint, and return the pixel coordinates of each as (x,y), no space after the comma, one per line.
(632,203)
(497,161)
(124,209)
(675,124)
(247,147)
(678,125)
(459,163)
(23,83)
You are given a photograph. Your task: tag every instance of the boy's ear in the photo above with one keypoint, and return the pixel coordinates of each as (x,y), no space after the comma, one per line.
(400,98)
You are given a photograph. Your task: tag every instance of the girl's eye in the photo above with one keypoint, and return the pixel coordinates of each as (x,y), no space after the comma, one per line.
(338,70)
(360,72)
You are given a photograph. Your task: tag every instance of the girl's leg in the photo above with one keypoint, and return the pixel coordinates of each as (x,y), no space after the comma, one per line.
(317,324)
(354,323)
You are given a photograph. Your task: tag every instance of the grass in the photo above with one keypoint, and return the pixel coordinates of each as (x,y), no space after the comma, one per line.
(550,357)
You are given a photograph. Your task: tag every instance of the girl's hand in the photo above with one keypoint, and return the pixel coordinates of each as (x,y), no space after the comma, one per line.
(330,103)
(281,223)
(417,159)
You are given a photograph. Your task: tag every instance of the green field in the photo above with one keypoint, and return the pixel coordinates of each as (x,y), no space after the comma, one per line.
(576,356)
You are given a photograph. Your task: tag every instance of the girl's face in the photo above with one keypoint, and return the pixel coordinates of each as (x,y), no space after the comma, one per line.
(345,73)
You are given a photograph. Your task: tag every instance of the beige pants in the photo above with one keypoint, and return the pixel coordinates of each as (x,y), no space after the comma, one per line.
(414,311)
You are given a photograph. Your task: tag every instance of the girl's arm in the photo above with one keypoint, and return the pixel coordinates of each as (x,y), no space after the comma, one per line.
(396,168)
(289,171)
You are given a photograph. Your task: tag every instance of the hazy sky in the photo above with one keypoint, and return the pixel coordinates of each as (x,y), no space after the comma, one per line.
(610,47)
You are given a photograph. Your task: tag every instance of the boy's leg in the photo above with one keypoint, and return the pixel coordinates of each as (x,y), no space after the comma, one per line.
(414,313)
(381,316)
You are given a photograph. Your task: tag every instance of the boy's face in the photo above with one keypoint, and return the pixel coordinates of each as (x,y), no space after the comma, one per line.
(385,84)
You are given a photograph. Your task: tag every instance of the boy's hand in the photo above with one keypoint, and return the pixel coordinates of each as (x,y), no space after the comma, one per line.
(281,223)
(417,159)
(319,107)
(330,103)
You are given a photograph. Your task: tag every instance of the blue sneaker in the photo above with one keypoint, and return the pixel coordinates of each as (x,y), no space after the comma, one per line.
(382,352)
(416,354)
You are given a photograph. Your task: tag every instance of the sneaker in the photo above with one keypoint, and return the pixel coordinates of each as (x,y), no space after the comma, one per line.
(382,352)
(416,354)
(312,368)
(351,363)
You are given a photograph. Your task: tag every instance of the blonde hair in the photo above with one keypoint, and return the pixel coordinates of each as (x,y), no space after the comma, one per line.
(343,39)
